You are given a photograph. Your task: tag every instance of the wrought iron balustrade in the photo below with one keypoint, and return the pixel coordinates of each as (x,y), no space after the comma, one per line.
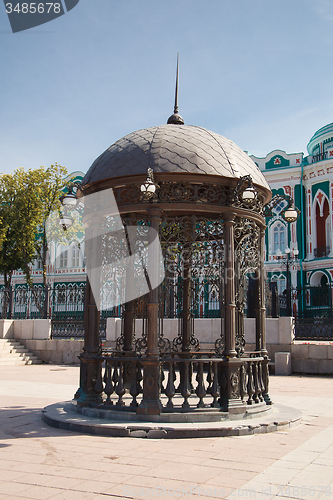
(314,329)
(321,252)
(319,157)
(186,383)
(22,302)
(65,307)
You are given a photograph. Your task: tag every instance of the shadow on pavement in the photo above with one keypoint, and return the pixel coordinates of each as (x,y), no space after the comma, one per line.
(22,422)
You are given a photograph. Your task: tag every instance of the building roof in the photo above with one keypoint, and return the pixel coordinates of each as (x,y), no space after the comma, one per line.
(174,148)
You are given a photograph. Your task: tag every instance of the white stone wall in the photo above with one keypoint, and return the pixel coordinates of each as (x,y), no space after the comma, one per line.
(305,357)
(278,330)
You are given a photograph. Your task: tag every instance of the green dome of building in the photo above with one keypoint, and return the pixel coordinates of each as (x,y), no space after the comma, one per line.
(323,136)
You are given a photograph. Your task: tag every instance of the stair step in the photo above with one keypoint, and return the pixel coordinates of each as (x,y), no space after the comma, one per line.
(13,349)
(10,362)
(14,353)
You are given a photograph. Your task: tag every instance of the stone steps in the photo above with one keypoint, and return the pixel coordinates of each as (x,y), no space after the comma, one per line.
(13,353)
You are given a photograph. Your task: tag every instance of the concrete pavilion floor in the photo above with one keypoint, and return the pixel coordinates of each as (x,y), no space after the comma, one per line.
(42,462)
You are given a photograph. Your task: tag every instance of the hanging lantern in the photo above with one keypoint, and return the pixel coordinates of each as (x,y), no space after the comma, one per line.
(149,187)
(291,213)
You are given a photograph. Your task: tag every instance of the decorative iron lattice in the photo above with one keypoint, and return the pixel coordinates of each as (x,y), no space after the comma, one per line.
(66,328)
(176,192)
(117,244)
(193,251)
(140,324)
(22,302)
(314,329)
(247,261)
(67,301)
(186,192)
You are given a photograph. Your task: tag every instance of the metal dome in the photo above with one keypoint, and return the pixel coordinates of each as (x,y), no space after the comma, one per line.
(174,148)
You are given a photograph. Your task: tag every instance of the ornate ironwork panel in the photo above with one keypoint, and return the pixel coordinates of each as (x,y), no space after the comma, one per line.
(190,192)
(193,258)
(247,261)
(314,329)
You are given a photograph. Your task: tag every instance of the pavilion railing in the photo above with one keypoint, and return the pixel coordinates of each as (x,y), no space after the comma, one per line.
(186,383)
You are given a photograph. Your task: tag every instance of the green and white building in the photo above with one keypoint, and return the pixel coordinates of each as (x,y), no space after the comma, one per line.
(308,179)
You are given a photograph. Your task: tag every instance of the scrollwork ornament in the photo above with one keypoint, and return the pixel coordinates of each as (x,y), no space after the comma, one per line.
(177,342)
(120,342)
(219,346)
(141,344)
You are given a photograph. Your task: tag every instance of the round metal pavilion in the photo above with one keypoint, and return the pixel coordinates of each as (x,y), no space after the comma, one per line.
(212,240)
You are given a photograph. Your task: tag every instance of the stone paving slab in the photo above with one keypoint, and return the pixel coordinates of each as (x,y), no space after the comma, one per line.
(39,461)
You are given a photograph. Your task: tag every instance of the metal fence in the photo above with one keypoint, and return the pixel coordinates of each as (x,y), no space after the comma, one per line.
(63,303)
(314,329)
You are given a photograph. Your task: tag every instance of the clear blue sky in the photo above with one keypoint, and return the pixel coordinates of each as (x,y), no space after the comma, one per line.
(257,71)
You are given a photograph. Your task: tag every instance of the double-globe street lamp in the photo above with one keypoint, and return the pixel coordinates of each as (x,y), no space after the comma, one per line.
(290,214)
(291,258)
(68,201)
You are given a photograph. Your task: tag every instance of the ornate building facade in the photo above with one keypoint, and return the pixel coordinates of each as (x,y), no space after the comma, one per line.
(308,179)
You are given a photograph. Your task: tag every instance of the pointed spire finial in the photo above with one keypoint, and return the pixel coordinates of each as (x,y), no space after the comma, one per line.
(176,91)
(176,119)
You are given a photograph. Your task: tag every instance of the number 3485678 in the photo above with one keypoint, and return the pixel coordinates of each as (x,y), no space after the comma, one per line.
(33,8)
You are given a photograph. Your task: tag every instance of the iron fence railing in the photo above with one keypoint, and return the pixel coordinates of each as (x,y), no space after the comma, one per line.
(314,329)
(321,252)
(319,157)
(62,303)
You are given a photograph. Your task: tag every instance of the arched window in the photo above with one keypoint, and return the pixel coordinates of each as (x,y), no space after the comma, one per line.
(279,207)
(64,258)
(322,225)
(279,237)
(320,290)
(75,256)
(280,282)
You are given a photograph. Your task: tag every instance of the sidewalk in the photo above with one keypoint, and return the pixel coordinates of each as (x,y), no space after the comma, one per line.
(41,462)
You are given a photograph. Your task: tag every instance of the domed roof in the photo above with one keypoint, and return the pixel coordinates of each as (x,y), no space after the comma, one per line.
(174,148)
(323,133)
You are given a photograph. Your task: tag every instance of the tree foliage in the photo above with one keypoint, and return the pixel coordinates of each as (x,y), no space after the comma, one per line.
(28,200)
(19,219)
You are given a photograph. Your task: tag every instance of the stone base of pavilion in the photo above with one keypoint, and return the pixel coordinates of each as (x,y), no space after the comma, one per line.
(199,423)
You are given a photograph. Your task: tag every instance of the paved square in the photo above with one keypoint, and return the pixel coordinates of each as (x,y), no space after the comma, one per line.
(40,462)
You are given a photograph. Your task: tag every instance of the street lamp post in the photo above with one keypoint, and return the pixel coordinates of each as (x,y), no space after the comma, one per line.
(290,214)
(288,261)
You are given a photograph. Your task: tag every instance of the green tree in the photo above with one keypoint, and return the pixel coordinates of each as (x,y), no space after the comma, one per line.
(19,217)
(27,201)
(50,186)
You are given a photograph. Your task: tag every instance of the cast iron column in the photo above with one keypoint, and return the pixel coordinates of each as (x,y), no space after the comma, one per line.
(229,287)
(257,307)
(229,370)
(186,314)
(151,404)
(128,325)
(261,341)
(129,304)
(261,344)
(288,295)
(90,366)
